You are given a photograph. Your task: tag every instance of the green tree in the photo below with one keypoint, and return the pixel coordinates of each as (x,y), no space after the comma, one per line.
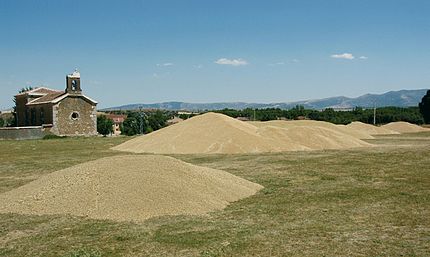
(131,125)
(25,89)
(139,122)
(425,107)
(1,122)
(156,120)
(104,125)
(10,122)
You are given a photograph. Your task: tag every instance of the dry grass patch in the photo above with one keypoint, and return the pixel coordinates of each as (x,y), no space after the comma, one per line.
(363,202)
(25,161)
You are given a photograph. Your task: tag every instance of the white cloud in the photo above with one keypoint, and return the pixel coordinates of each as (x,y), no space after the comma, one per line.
(199,66)
(165,64)
(346,56)
(364,57)
(295,60)
(233,62)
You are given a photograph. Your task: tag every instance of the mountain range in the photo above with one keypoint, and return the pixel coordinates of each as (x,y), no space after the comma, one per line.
(402,98)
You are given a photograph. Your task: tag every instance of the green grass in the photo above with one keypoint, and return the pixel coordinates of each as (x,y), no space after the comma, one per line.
(363,202)
(24,161)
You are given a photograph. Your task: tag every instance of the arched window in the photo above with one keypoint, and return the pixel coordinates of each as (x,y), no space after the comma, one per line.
(74,85)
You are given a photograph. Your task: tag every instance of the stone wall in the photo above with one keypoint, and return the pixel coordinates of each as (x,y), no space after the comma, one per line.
(21,133)
(74,116)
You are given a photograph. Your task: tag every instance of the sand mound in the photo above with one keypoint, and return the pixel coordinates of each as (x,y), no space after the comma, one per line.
(207,133)
(129,188)
(371,129)
(312,123)
(309,138)
(218,133)
(404,127)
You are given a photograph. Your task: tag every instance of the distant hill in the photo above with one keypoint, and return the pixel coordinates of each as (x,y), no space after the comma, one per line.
(402,98)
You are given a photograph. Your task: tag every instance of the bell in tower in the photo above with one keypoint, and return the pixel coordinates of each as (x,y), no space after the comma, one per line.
(73,82)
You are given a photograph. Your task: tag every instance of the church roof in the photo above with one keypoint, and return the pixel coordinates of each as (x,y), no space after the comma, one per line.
(39,91)
(46,95)
(47,98)
(61,97)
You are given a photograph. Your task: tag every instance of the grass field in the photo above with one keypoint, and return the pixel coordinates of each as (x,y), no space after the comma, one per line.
(362,202)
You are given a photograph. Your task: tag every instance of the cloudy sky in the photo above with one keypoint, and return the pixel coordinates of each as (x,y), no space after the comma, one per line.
(211,51)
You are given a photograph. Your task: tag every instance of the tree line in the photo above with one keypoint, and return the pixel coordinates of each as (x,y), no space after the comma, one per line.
(383,114)
(7,121)
(137,122)
(143,122)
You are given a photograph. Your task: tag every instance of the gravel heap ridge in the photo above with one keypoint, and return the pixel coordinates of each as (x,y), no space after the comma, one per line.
(218,133)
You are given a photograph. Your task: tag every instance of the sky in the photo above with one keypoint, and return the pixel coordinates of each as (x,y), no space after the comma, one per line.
(215,51)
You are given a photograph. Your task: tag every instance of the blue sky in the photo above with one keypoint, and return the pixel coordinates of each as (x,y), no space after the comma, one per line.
(212,51)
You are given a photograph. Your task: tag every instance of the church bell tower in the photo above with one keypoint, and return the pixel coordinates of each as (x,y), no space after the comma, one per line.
(73,83)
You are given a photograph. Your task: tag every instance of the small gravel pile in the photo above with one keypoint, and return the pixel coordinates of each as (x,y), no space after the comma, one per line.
(404,127)
(129,188)
(371,129)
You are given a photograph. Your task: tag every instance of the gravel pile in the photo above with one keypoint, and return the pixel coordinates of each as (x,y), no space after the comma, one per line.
(357,133)
(371,129)
(218,133)
(404,127)
(129,188)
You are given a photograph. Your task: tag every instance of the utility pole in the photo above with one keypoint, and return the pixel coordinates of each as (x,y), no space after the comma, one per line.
(374,113)
(254,116)
(141,120)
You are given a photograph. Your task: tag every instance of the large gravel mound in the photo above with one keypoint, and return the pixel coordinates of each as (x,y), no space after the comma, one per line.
(404,127)
(371,129)
(218,133)
(129,188)
(207,133)
(313,124)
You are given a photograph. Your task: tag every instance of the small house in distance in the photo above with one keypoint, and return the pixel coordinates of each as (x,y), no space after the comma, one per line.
(63,113)
(118,120)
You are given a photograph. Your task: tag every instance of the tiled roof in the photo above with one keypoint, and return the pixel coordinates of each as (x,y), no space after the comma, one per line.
(61,97)
(118,118)
(46,95)
(47,98)
(39,91)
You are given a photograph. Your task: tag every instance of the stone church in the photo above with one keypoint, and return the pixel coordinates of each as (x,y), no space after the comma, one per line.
(63,113)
